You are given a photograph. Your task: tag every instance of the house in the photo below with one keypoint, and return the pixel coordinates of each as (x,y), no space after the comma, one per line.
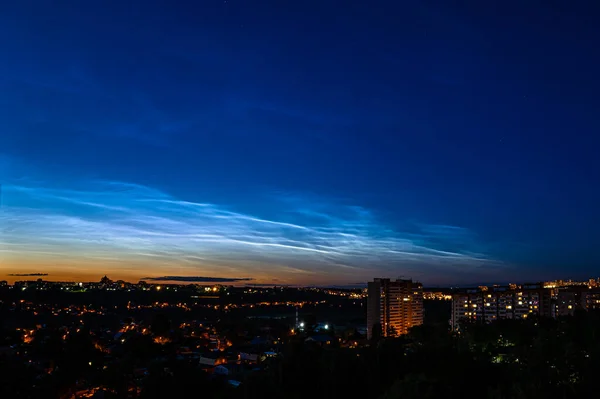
(249,357)
(212,359)
(320,339)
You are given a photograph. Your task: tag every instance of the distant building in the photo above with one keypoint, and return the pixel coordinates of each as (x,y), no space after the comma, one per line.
(592,299)
(487,304)
(320,339)
(570,299)
(212,359)
(395,306)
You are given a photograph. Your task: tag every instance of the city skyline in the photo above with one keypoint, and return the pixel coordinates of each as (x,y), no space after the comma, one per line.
(228,141)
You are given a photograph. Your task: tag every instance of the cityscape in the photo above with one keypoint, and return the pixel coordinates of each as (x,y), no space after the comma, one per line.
(132,339)
(258,199)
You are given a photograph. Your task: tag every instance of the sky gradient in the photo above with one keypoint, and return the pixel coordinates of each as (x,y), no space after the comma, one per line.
(300,143)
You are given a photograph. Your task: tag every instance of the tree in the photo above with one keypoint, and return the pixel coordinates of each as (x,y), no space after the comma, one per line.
(161,325)
(391,332)
(376,333)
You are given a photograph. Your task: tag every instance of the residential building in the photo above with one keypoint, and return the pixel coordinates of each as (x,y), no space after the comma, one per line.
(487,304)
(592,299)
(395,306)
(569,299)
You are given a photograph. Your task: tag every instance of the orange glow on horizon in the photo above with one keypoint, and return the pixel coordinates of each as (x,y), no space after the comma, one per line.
(24,271)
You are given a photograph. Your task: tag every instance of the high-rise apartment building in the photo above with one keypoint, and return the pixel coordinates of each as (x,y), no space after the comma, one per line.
(395,306)
(568,300)
(486,304)
(592,299)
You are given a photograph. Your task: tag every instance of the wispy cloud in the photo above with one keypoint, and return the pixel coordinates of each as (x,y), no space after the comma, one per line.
(27,274)
(193,279)
(120,224)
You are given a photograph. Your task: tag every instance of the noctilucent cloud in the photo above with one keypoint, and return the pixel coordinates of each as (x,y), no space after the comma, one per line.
(299,142)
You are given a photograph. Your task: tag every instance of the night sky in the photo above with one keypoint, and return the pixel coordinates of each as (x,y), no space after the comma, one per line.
(300,142)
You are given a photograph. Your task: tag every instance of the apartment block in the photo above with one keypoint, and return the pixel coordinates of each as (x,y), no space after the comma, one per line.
(487,304)
(394,305)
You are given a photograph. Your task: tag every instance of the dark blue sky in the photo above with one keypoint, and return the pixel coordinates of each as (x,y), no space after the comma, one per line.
(448,142)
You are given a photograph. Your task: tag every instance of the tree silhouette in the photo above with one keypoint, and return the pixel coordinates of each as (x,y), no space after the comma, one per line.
(161,325)
(376,332)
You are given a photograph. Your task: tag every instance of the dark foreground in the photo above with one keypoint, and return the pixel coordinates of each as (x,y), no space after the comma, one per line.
(154,349)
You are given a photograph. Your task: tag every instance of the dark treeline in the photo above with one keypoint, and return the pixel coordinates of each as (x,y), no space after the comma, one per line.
(508,359)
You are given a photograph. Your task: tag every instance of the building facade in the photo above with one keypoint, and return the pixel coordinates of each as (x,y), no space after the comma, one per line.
(571,299)
(487,304)
(395,306)
(592,299)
